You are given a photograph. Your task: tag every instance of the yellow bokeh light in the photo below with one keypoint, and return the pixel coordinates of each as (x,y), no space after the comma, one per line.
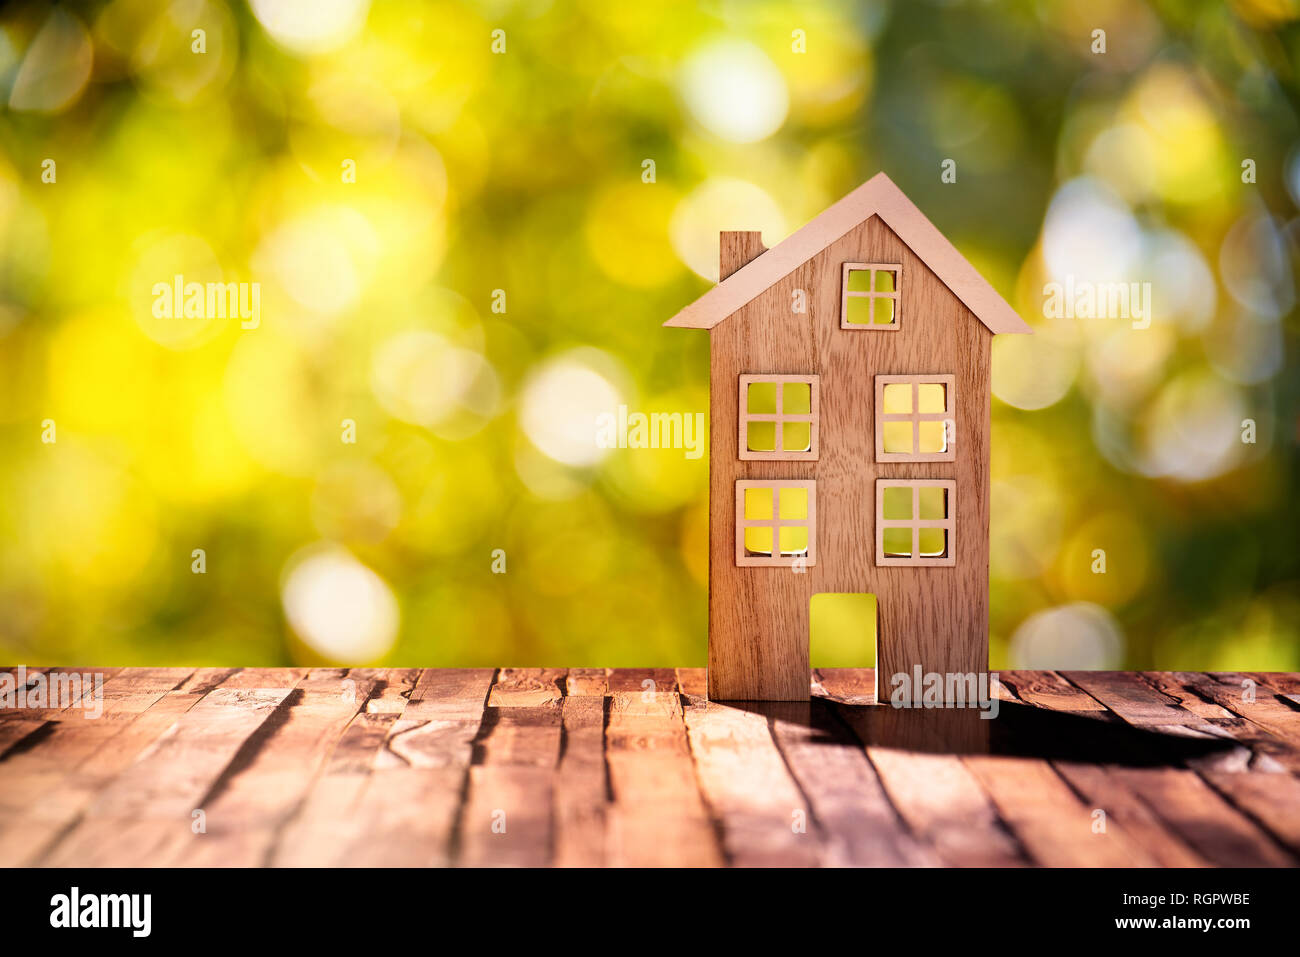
(627,233)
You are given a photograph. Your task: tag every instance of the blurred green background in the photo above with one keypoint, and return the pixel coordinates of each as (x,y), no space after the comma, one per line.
(458,252)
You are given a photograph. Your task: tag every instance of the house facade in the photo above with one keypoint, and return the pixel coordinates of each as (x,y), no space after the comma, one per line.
(849,450)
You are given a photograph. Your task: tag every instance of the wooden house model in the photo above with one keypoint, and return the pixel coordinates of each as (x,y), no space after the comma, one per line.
(849,453)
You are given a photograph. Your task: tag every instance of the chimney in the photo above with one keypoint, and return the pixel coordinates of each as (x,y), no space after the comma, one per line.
(736,248)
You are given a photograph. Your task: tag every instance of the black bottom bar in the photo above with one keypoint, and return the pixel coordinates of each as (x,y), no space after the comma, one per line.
(382,908)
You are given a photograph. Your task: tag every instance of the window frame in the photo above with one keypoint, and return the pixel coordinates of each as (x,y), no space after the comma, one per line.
(916,523)
(916,417)
(779,418)
(775,560)
(896,295)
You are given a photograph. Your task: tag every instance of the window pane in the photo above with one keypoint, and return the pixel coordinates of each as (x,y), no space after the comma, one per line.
(794,539)
(758,541)
(884,311)
(933,542)
(898,398)
(762,398)
(758,503)
(760,436)
(857,311)
(859,280)
(897,437)
(796,437)
(886,280)
(934,502)
(934,437)
(796,399)
(897,503)
(898,542)
(794,503)
(932,397)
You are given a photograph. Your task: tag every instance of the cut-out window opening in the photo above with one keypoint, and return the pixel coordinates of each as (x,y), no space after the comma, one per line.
(778,417)
(915,521)
(870,296)
(916,418)
(776,522)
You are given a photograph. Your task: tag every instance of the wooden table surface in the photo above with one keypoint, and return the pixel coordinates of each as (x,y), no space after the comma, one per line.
(634,767)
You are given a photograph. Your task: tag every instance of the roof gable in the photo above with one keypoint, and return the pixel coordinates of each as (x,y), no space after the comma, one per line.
(879,197)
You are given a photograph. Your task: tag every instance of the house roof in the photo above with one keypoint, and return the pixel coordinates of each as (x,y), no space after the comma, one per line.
(877,196)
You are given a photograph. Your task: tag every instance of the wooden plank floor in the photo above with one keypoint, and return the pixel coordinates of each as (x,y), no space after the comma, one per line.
(583,767)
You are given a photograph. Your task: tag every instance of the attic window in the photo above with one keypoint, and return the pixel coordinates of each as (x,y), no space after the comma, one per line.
(776,522)
(915,521)
(778,417)
(870,296)
(915,418)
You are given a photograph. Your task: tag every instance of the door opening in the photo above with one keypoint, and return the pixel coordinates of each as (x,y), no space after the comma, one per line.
(842,630)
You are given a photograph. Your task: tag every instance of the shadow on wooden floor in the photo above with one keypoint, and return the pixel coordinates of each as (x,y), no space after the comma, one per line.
(1017,731)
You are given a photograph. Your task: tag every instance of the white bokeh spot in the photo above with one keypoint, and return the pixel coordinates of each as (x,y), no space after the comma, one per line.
(559,407)
(339,607)
(734,90)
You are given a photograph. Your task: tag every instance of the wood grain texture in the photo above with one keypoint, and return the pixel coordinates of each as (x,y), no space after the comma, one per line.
(765,819)
(636,767)
(581,795)
(1096,785)
(1049,819)
(1216,829)
(1101,790)
(858,825)
(880,198)
(49,787)
(657,816)
(148,809)
(269,778)
(409,802)
(737,248)
(1254,700)
(936,795)
(507,813)
(936,617)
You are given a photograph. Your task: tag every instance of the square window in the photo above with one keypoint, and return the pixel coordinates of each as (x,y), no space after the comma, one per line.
(933,501)
(859,279)
(933,542)
(869,297)
(776,513)
(760,398)
(778,417)
(758,503)
(794,540)
(915,522)
(758,541)
(898,398)
(915,418)
(933,438)
(794,502)
(761,437)
(796,437)
(796,398)
(898,542)
(897,437)
(932,397)
(857,311)
(897,504)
